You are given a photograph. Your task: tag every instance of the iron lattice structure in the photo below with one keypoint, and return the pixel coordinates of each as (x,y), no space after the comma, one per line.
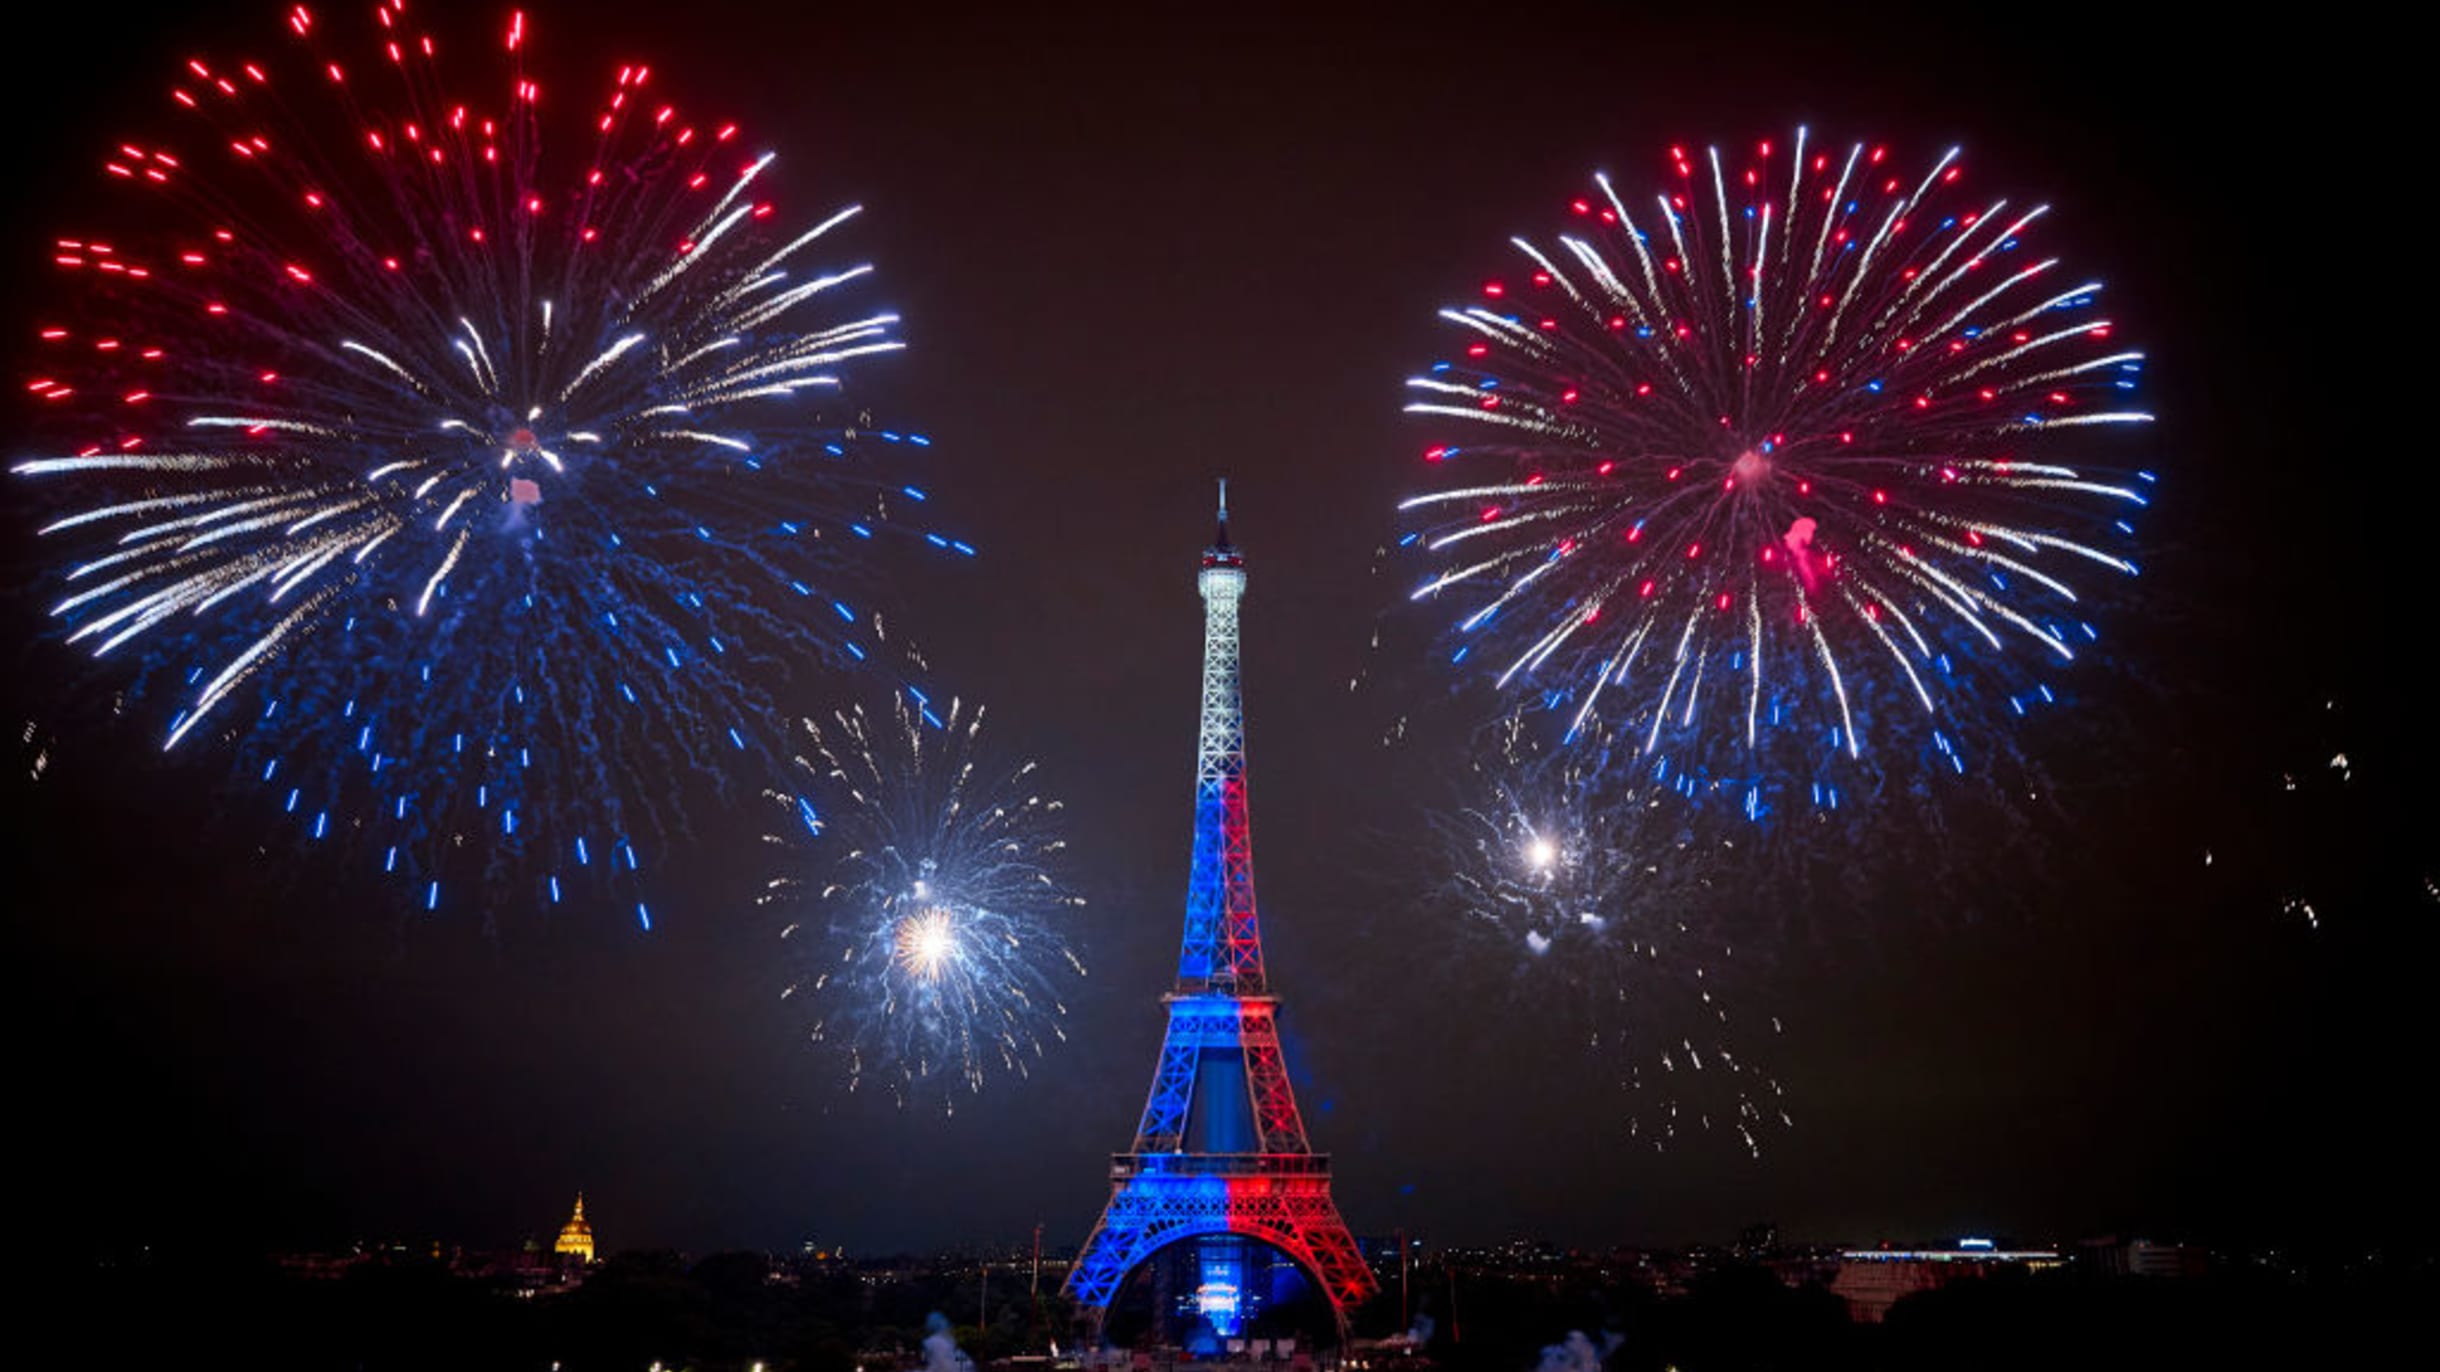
(1221,1149)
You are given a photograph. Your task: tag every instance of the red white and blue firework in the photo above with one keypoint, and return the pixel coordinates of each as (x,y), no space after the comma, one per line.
(1777,464)
(475,493)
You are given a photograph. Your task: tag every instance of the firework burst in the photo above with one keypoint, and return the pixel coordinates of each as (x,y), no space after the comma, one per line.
(932,934)
(1775,466)
(466,492)
(1603,918)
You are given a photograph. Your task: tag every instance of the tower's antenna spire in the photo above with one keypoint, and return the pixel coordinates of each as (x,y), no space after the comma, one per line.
(1220,543)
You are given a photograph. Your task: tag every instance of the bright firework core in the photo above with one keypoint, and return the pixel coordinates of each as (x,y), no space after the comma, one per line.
(525,492)
(926,941)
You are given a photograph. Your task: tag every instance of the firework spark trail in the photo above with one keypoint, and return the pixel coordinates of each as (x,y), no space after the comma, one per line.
(1767,471)
(932,934)
(1599,913)
(469,494)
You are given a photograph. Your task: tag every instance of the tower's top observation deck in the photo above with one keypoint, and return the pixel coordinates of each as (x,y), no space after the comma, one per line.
(1222,554)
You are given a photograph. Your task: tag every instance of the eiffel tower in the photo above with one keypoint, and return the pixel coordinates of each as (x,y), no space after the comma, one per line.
(1221,1155)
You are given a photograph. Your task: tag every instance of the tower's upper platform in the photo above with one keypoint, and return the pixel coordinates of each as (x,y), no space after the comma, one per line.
(1222,554)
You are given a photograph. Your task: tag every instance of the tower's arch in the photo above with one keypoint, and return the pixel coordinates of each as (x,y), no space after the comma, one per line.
(1230,1280)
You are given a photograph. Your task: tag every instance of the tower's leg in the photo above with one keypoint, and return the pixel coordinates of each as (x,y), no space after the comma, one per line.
(1266,1072)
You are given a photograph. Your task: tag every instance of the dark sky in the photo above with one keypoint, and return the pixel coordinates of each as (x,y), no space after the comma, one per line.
(1138,248)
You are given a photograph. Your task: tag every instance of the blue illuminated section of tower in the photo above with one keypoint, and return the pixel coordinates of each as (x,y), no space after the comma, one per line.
(1220,1154)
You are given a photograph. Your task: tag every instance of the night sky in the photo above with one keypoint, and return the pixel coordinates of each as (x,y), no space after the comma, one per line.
(1136,250)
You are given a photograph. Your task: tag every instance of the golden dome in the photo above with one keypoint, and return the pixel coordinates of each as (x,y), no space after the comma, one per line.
(576,1236)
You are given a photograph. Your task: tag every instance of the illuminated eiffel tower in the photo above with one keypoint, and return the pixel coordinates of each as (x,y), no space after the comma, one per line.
(1221,1155)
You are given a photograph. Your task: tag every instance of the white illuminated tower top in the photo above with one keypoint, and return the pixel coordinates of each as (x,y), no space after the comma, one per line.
(1222,950)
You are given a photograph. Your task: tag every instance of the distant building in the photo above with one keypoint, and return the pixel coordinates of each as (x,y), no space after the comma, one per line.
(2148,1259)
(2143,1258)
(1871,1280)
(576,1236)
